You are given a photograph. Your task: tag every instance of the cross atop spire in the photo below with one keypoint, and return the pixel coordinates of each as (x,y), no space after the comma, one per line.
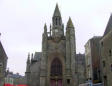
(57,12)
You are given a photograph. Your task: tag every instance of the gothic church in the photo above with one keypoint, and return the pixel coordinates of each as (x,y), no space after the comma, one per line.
(56,64)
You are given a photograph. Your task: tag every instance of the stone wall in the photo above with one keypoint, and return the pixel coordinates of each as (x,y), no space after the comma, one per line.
(80,58)
(92,55)
(106,59)
(3,64)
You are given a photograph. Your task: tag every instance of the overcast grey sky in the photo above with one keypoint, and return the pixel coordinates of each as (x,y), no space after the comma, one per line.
(22,21)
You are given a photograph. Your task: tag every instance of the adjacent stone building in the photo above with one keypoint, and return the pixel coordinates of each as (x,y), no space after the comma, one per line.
(92,56)
(56,64)
(3,64)
(106,54)
(14,79)
(33,69)
(80,59)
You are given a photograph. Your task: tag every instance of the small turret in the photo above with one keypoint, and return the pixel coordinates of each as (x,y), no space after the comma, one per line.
(28,60)
(32,57)
(44,37)
(45,28)
(28,63)
(71,49)
(27,73)
(45,31)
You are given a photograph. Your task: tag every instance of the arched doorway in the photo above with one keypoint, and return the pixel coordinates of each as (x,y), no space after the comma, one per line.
(56,73)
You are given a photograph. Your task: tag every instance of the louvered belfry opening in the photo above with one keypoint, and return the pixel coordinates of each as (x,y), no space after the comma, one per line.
(56,67)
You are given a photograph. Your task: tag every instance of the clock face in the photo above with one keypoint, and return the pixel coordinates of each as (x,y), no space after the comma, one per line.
(56,30)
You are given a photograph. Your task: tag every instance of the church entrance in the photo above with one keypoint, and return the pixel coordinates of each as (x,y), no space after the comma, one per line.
(56,82)
(56,73)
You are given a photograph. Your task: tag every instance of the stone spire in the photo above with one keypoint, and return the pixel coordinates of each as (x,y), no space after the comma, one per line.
(69,23)
(56,19)
(109,26)
(56,12)
(57,27)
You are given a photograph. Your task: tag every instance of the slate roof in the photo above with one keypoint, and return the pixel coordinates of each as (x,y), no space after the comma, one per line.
(109,26)
(2,52)
(37,55)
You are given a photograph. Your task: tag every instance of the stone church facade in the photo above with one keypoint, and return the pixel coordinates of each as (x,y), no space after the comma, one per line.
(56,64)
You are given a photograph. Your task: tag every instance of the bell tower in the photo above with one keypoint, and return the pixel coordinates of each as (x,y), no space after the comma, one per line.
(57,26)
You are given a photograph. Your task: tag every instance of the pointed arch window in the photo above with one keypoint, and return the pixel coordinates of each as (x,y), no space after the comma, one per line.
(59,21)
(56,21)
(111,67)
(56,67)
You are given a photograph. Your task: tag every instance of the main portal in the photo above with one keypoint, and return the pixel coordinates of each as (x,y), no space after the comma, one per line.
(56,73)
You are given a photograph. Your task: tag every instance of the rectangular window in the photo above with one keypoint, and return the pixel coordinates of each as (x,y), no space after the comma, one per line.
(102,44)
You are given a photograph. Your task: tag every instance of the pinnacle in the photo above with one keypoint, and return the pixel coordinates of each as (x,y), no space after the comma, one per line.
(57,12)
(69,23)
(45,26)
(28,57)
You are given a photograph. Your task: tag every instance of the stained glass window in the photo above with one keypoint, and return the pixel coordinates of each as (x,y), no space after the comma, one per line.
(56,67)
